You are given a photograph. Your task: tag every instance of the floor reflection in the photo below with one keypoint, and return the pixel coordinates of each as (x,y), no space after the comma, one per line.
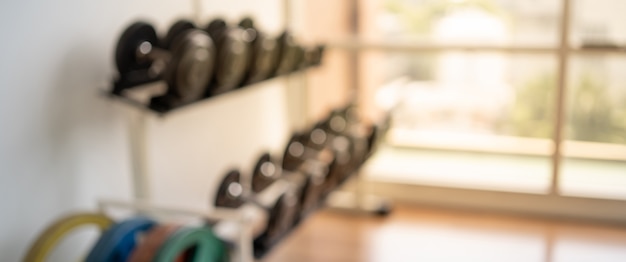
(425,234)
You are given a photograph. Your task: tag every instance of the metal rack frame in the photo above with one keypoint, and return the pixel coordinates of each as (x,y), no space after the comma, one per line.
(139,147)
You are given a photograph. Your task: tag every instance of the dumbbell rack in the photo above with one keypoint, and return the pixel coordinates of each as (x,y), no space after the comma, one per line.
(243,251)
(137,127)
(138,119)
(120,85)
(138,144)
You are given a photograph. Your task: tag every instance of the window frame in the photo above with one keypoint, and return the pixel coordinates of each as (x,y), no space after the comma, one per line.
(552,203)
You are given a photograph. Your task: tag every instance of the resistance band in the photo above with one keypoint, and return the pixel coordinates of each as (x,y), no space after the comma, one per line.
(208,248)
(46,242)
(119,241)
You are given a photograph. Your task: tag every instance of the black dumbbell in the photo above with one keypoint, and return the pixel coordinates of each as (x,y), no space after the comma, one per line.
(290,54)
(346,122)
(234,46)
(343,147)
(186,65)
(167,101)
(298,152)
(266,172)
(300,62)
(376,132)
(179,27)
(313,55)
(264,56)
(308,151)
(373,140)
(366,137)
(280,204)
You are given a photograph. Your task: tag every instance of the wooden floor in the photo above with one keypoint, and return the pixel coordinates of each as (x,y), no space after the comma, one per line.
(427,234)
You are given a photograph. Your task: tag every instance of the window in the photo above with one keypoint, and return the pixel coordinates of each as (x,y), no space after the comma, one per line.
(476,96)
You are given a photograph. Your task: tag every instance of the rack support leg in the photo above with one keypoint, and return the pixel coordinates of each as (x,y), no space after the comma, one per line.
(139,155)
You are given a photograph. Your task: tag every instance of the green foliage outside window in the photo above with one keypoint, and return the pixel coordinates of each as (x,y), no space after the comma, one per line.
(592,115)
(532,113)
(419,17)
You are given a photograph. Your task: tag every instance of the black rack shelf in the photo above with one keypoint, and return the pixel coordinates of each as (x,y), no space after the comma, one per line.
(118,92)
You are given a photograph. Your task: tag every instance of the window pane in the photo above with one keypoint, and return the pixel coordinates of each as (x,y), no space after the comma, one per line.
(598,22)
(595,149)
(473,119)
(506,22)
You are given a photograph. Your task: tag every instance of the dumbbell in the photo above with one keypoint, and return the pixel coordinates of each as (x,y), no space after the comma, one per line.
(264,56)
(341,145)
(308,151)
(366,137)
(234,46)
(376,133)
(346,122)
(290,54)
(344,148)
(373,139)
(186,65)
(177,28)
(313,55)
(266,171)
(279,203)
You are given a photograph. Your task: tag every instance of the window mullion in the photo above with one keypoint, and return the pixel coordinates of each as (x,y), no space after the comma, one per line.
(563,57)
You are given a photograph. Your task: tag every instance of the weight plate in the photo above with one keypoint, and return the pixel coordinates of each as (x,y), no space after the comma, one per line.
(294,152)
(118,242)
(256,46)
(264,174)
(346,161)
(265,58)
(176,30)
(232,59)
(190,70)
(126,49)
(320,53)
(318,137)
(333,178)
(287,49)
(299,62)
(216,29)
(359,153)
(282,217)
(311,193)
(343,147)
(372,140)
(310,55)
(336,124)
(207,247)
(51,236)
(313,56)
(230,191)
(246,23)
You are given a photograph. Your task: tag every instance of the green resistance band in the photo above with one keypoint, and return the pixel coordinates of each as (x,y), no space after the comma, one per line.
(208,248)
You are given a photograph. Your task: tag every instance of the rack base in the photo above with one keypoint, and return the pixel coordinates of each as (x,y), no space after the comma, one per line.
(360,203)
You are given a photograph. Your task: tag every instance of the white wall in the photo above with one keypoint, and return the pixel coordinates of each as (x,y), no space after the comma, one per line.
(62,145)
